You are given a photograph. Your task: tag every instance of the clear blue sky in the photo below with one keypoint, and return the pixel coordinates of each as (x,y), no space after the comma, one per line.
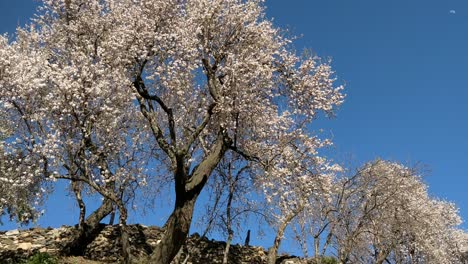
(405,65)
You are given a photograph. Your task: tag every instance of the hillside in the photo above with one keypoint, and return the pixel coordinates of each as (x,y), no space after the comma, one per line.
(18,245)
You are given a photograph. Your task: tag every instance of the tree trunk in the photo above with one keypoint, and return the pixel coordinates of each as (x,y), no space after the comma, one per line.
(327,242)
(380,261)
(187,189)
(381,256)
(273,251)
(88,232)
(317,247)
(124,238)
(112,217)
(77,187)
(343,257)
(229,217)
(226,249)
(175,232)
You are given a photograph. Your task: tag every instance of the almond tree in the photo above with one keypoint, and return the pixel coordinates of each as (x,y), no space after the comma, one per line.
(231,202)
(70,127)
(313,225)
(296,177)
(384,214)
(459,244)
(360,202)
(209,77)
(429,233)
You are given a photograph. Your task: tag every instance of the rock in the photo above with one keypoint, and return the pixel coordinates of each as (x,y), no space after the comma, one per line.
(25,246)
(14,232)
(7,241)
(55,233)
(15,245)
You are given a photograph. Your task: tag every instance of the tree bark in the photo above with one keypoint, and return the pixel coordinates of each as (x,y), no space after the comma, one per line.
(343,257)
(175,232)
(228,216)
(382,256)
(124,237)
(89,230)
(327,242)
(187,188)
(273,250)
(316,247)
(228,245)
(112,217)
(77,188)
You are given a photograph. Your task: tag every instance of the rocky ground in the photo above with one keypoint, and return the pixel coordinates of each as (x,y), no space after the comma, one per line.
(16,245)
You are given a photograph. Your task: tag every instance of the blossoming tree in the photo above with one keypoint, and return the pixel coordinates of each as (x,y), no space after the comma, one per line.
(384,214)
(66,126)
(91,79)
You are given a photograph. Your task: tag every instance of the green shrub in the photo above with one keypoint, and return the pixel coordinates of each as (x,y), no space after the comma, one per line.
(329,260)
(41,258)
(325,260)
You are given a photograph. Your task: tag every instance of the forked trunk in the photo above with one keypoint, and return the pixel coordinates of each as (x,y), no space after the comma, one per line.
(88,232)
(273,250)
(187,189)
(381,257)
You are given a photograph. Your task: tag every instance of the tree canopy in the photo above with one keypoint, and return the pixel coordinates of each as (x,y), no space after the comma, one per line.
(112,95)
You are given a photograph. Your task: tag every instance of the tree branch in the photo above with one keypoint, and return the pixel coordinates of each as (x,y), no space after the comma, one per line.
(140,86)
(157,132)
(201,173)
(199,129)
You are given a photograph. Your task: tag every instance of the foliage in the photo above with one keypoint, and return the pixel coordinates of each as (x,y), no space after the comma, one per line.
(41,258)
(327,260)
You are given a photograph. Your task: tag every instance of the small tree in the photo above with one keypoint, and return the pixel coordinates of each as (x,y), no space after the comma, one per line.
(384,213)
(231,188)
(296,177)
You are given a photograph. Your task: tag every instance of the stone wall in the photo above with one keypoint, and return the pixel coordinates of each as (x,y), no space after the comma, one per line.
(16,245)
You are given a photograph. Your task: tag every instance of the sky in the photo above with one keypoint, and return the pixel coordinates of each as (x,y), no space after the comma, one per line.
(405,67)
(404,64)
